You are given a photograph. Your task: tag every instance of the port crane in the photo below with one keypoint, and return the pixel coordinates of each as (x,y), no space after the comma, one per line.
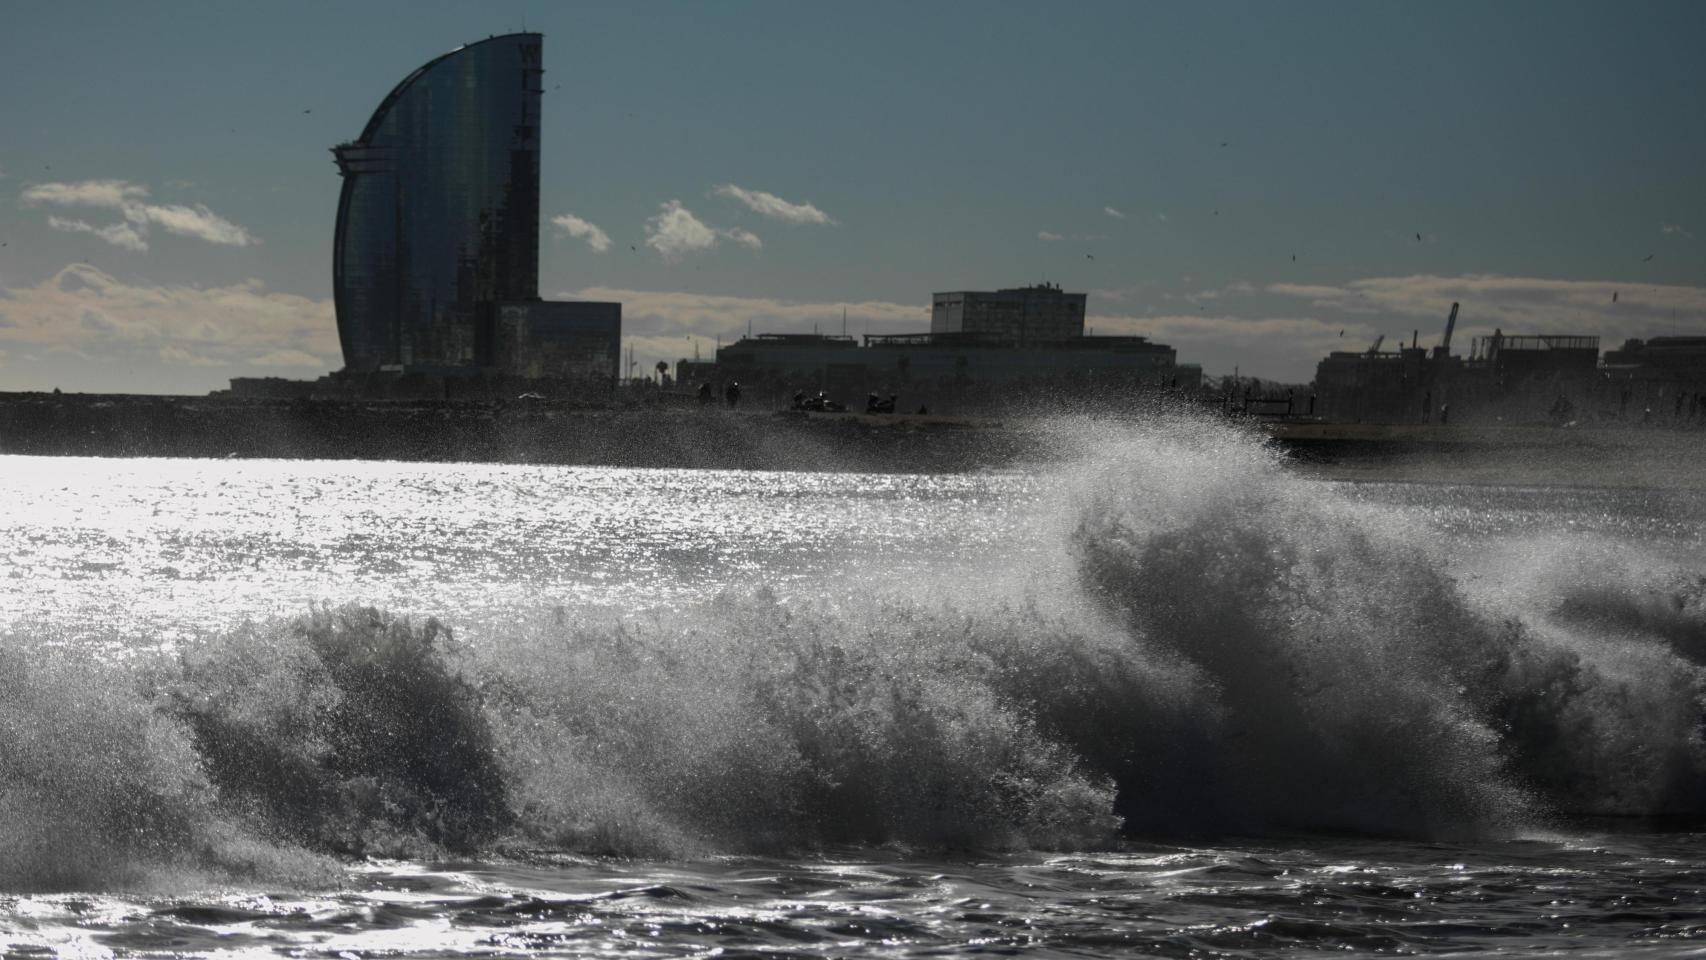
(1444,349)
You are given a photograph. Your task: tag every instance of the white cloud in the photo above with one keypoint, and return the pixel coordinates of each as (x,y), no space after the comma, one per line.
(128,199)
(772,206)
(1516,305)
(237,330)
(1283,348)
(179,357)
(87,193)
(1312,291)
(288,358)
(118,234)
(1237,288)
(1220,330)
(1110,211)
(1116,294)
(1048,236)
(675,232)
(198,222)
(1673,230)
(569,225)
(744,237)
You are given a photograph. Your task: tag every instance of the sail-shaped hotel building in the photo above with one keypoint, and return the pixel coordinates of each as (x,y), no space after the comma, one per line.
(436,255)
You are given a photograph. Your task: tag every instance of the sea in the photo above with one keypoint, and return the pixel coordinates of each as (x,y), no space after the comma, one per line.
(1165,693)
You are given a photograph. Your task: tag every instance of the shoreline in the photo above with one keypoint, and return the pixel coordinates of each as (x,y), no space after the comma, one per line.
(532,432)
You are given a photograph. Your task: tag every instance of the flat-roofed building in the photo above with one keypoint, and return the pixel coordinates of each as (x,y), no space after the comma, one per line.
(1019,316)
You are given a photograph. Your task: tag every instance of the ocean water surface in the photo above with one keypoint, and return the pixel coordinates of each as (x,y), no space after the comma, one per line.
(1164,696)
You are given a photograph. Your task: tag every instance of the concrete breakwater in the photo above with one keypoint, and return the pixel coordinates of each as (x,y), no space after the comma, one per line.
(501,432)
(717,438)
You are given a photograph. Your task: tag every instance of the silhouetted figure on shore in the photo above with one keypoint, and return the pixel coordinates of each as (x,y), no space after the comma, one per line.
(705,395)
(732,394)
(1444,413)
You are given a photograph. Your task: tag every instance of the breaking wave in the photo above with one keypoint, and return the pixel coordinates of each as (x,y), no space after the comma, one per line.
(1206,645)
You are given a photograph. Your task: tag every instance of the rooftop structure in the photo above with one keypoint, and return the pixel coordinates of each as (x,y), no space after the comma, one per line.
(1017,316)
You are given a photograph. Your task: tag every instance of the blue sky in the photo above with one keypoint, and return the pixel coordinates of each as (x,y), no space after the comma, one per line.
(167,195)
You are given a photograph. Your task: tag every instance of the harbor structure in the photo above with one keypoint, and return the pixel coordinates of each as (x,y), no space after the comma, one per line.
(436,251)
(1551,378)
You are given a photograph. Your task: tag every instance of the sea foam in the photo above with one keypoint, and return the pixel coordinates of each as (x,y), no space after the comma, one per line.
(1196,642)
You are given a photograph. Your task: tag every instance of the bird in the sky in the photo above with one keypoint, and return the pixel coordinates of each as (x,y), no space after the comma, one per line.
(1341,333)
(308,111)
(1090,256)
(1418,238)
(1646,258)
(1614,296)
(1294,258)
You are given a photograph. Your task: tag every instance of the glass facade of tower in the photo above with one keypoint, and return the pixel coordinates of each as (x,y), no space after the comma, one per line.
(438,220)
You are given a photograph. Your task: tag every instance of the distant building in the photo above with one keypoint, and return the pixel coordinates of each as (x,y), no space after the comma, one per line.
(1681,356)
(1016,317)
(436,254)
(1505,378)
(984,350)
(946,371)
